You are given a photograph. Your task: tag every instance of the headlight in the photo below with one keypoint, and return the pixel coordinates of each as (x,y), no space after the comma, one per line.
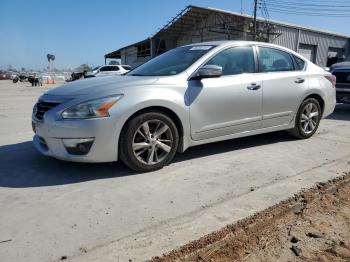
(92,108)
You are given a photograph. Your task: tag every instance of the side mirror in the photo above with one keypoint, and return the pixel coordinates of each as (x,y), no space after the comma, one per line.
(208,71)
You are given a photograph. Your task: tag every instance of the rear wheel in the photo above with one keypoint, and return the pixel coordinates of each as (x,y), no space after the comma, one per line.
(307,119)
(148,142)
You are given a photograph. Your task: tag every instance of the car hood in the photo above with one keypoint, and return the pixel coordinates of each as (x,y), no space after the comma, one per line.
(99,85)
(341,65)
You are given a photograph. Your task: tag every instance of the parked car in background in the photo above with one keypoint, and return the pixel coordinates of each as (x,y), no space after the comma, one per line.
(3,75)
(13,76)
(108,70)
(79,72)
(20,78)
(188,96)
(77,76)
(342,73)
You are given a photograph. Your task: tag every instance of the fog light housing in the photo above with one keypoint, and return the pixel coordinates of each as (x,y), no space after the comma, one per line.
(78,146)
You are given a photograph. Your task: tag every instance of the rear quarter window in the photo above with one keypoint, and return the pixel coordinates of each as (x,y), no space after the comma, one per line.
(299,62)
(127,67)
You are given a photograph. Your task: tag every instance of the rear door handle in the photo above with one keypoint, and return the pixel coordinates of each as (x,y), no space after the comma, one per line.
(299,80)
(253,86)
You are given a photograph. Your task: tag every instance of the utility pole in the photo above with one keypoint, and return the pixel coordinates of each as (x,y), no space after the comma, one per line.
(254,21)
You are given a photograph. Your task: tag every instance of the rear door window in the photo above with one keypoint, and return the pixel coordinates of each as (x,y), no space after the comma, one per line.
(274,60)
(109,68)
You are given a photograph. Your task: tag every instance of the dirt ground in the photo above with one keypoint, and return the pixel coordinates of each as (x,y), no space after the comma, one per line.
(312,226)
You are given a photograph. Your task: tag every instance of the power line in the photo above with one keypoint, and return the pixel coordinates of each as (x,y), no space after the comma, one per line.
(306,8)
(310,1)
(264,10)
(314,12)
(304,3)
(276,10)
(298,8)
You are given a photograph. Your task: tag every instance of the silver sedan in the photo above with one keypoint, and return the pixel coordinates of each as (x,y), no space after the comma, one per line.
(188,96)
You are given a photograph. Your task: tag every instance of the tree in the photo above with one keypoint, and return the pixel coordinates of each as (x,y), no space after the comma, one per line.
(50,58)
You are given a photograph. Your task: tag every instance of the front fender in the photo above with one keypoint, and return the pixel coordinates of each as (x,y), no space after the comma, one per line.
(173,100)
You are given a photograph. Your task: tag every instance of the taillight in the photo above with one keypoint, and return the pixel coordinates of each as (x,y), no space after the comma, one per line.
(332,79)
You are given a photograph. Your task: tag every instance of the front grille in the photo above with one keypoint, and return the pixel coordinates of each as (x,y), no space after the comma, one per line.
(342,76)
(42,107)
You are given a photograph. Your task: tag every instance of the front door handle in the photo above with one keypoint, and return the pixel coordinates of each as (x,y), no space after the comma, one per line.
(299,80)
(253,86)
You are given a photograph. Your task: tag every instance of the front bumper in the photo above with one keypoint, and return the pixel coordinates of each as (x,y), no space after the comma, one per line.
(51,139)
(343,93)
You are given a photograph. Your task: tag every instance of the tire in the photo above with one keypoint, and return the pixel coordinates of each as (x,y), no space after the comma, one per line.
(136,145)
(307,122)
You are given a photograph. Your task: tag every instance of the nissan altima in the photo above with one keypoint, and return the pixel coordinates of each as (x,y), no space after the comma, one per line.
(188,96)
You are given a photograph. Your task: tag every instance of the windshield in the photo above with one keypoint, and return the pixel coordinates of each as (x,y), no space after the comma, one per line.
(97,67)
(172,62)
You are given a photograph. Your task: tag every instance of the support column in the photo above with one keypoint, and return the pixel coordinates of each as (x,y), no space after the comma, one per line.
(254,19)
(152,47)
(297,41)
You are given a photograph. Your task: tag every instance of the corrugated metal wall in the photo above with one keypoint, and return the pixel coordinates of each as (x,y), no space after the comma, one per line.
(129,57)
(193,36)
(289,38)
(323,42)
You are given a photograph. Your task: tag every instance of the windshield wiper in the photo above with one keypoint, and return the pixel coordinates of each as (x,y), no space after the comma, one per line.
(137,75)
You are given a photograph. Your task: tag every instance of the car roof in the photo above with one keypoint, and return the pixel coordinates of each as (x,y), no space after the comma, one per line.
(240,42)
(236,42)
(114,65)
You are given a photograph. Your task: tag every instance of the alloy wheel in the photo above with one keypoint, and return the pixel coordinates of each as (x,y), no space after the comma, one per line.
(309,118)
(152,142)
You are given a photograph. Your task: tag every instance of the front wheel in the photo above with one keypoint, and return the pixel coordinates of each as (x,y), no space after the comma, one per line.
(307,119)
(148,142)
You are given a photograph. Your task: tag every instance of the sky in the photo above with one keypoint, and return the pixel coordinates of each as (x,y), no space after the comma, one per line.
(82,31)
